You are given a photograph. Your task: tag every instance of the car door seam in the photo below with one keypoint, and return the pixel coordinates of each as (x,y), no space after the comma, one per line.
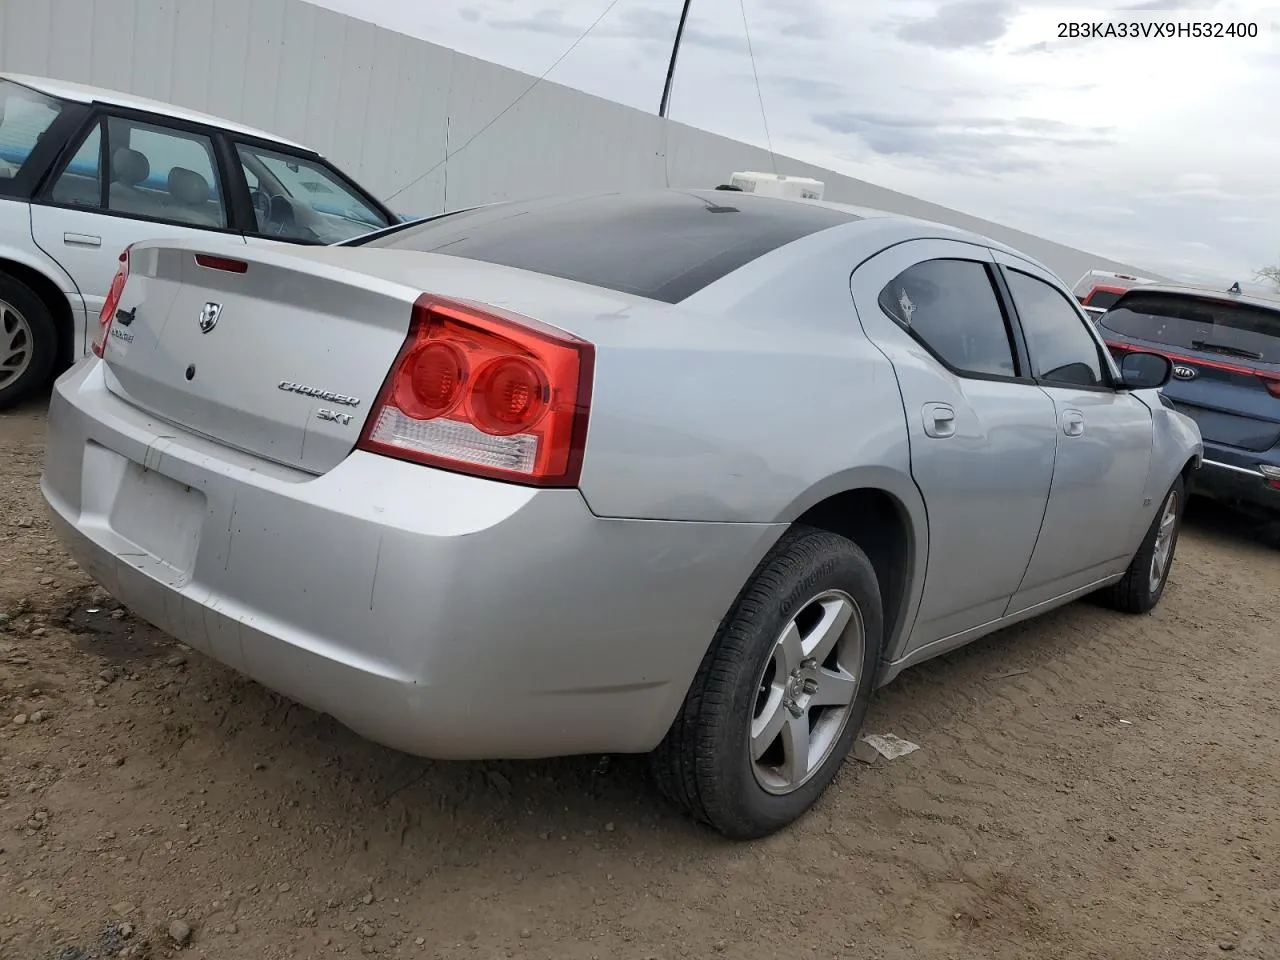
(905,629)
(1048,497)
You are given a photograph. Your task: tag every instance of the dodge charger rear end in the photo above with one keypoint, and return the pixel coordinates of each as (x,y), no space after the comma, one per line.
(675,472)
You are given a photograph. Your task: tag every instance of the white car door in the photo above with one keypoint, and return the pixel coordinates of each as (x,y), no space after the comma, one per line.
(163,183)
(1104,440)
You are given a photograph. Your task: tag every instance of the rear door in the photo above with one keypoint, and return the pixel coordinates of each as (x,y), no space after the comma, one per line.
(1226,355)
(1104,441)
(982,434)
(162,182)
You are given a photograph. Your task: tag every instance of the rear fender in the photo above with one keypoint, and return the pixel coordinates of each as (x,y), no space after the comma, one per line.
(17,246)
(54,285)
(899,485)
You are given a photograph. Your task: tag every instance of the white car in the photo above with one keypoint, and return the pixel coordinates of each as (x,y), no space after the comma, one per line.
(85,172)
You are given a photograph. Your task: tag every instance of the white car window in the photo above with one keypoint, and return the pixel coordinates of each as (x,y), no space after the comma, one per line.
(299,199)
(163,174)
(80,183)
(24,117)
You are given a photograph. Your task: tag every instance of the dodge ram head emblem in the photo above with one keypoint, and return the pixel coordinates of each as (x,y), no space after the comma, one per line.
(1182,372)
(209,316)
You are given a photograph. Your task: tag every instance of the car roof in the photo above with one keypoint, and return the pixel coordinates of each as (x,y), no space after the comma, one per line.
(659,243)
(822,217)
(1263,300)
(931,227)
(82,93)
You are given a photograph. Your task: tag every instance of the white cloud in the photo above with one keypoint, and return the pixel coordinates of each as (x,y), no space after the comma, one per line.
(1157,151)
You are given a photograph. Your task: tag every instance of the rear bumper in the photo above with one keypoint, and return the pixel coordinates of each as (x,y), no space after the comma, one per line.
(438,614)
(1236,476)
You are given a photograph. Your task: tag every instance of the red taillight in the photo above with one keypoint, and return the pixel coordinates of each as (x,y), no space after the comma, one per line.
(433,380)
(1273,386)
(482,391)
(112,305)
(221,263)
(509,395)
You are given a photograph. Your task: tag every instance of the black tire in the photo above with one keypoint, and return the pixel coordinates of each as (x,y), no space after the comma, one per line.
(27,322)
(704,763)
(1136,593)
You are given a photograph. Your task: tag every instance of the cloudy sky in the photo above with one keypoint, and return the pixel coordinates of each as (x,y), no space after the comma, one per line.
(1161,152)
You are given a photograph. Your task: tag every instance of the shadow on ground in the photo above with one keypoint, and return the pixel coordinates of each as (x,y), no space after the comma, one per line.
(1224,524)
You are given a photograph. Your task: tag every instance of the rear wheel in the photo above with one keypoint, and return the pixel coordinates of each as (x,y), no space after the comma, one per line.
(782,691)
(1144,582)
(28,341)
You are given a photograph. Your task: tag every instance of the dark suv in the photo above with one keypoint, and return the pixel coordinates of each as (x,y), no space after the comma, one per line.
(1226,353)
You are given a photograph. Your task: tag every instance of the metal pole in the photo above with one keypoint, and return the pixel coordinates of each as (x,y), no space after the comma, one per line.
(671,67)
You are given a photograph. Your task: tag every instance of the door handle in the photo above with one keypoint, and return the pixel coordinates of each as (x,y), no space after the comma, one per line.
(939,420)
(1073,423)
(82,239)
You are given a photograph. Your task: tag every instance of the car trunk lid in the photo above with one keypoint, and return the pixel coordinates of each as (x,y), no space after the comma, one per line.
(263,355)
(282,352)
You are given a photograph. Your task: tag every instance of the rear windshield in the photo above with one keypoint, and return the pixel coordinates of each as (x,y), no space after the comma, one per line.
(1105,299)
(24,117)
(665,245)
(1210,326)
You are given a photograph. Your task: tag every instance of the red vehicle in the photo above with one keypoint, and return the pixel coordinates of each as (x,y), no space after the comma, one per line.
(1098,290)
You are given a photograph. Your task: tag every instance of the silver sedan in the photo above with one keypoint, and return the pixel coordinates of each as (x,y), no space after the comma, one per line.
(686,473)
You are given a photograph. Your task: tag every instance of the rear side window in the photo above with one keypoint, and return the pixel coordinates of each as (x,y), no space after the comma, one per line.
(664,245)
(163,173)
(80,183)
(951,307)
(1192,323)
(25,116)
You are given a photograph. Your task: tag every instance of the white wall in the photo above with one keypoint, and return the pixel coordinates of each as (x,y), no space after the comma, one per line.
(383,106)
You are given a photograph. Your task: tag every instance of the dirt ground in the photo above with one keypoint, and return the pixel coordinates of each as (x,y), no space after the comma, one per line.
(1089,786)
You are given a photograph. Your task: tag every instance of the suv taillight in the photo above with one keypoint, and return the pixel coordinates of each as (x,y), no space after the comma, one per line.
(112,305)
(482,391)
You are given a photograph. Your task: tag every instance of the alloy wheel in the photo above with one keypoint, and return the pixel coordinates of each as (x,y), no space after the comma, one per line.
(805,692)
(1163,551)
(16,343)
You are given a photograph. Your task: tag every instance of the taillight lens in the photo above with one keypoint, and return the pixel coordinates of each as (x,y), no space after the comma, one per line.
(486,392)
(112,305)
(1273,386)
